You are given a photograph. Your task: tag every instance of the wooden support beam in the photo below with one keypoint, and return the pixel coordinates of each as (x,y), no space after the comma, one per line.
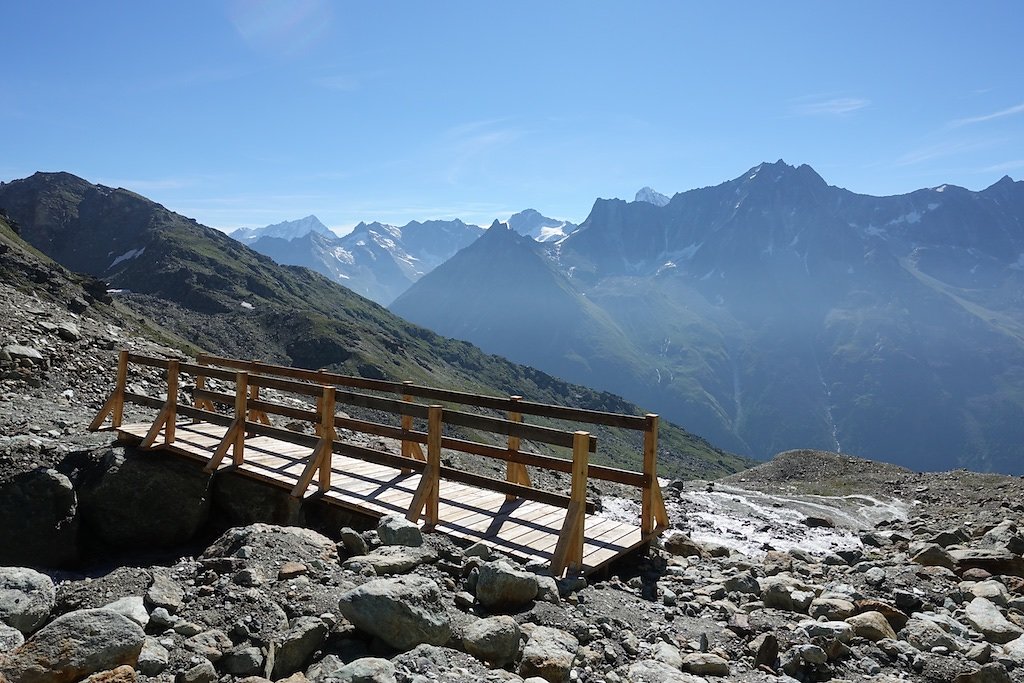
(167,416)
(515,472)
(425,500)
(410,449)
(114,405)
(256,415)
(202,404)
(568,555)
(234,439)
(653,516)
(320,458)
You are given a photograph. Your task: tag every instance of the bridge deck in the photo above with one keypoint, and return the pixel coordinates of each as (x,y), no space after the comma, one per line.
(524,529)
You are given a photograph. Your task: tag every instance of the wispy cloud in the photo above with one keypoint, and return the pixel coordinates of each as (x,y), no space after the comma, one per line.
(473,144)
(817,105)
(1003,167)
(1002,113)
(941,150)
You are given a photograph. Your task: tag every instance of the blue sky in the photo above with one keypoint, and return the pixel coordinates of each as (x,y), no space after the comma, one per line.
(246,113)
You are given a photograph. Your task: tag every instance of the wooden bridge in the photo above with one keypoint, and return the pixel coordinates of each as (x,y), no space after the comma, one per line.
(511,515)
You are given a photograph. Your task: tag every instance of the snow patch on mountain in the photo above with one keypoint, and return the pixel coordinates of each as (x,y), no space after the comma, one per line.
(127,256)
(532,223)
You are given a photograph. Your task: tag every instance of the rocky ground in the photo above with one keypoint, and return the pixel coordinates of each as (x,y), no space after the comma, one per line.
(123,566)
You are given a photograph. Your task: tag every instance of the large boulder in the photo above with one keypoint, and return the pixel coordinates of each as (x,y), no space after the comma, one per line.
(133,499)
(403,611)
(41,523)
(871,625)
(786,593)
(652,671)
(26,598)
(990,622)
(993,560)
(549,654)
(296,646)
(500,586)
(74,646)
(494,640)
(240,501)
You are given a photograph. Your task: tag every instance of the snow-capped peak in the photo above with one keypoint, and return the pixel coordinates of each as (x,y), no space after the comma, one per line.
(651,196)
(541,228)
(287,230)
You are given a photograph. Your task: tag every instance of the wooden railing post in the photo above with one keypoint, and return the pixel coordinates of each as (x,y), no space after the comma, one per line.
(202,404)
(652,508)
(410,449)
(114,405)
(234,438)
(568,553)
(515,472)
(320,458)
(427,493)
(168,413)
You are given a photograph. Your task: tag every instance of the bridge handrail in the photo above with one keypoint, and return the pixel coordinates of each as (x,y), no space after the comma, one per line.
(250,416)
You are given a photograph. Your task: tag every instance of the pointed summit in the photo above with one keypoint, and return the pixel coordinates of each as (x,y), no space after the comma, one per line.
(532,223)
(651,196)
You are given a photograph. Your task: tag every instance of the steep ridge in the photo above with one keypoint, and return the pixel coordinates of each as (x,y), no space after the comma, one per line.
(774,311)
(204,286)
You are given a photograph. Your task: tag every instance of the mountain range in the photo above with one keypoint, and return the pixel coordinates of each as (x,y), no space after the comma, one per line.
(194,283)
(377,260)
(773,311)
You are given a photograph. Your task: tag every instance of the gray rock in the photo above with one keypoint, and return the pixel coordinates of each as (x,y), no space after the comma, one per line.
(46,507)
(1015,649)
(153,658)
(871,625)
(680,544)
(365,670)
(397,530)
(494,640)
(325,670)
(993,560)
(932,555)
(392,559)
(22,352)
(212,644)
(203,672)
(989,673)
(924,635)
(69,332)
(839,630)
(10,638)
(991,590)
(549,653)
(668,654)
(296,646)
(26,598)
(500,586)
(402,611)
(131,607)
(148,500)
(165,592)
(354,543)
(1005,536)
(786,593)
(706,663)
(990,622)
(652,671)
(833,609)
(547,589)
(75,645)
(243,661)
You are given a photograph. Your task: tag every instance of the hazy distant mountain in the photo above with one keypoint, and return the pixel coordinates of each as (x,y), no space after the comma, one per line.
(222,296)
(287,230)
(774,311)
(541,228)
(651,196)
(376,260)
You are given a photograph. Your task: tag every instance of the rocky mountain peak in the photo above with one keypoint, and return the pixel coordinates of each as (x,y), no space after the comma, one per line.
(651,196)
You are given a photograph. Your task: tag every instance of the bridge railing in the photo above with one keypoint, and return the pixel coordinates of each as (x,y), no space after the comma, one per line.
(249,411)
